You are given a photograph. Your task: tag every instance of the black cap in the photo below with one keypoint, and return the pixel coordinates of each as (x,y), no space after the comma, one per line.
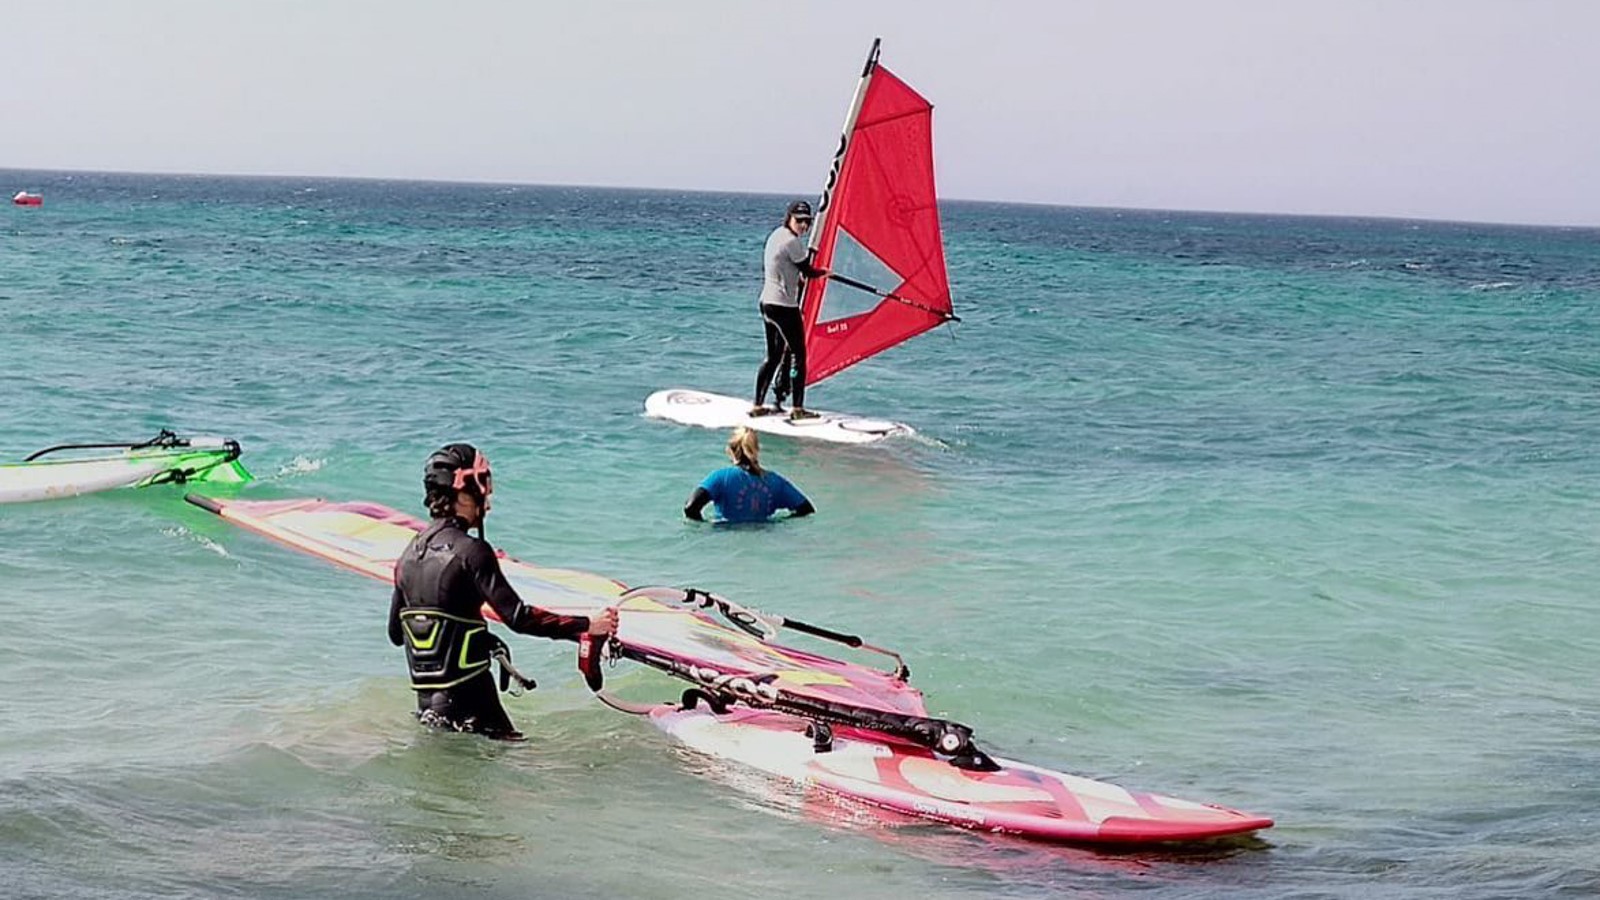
(439,472)
(800,208)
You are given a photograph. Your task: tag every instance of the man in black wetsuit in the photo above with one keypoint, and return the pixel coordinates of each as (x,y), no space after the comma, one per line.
(441,582)
(784,261)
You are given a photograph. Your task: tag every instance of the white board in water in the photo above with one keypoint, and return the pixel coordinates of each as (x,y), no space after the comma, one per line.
(689,407)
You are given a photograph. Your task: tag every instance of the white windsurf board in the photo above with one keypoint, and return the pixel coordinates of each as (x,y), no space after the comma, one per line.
(688,407)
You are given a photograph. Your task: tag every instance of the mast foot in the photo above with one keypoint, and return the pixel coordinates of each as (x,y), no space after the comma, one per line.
(821,737)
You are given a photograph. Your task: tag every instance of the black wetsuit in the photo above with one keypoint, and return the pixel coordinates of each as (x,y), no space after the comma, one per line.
(786,353)
(441,582)
(786,346)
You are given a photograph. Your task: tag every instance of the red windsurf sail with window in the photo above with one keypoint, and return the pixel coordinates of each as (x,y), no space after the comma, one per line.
(877,231)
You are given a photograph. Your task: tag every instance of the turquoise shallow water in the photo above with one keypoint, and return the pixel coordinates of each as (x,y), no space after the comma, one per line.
(1296,515)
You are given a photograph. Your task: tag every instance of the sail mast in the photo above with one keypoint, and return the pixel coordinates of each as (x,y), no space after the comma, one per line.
(849,129)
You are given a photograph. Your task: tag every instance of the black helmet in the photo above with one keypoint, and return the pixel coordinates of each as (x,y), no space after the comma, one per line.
(457,467)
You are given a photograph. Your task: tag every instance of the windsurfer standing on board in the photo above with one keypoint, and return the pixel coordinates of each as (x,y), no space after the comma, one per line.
(441,583)
(785,260)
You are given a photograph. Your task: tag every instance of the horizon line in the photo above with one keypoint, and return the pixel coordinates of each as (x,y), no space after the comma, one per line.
(753,193)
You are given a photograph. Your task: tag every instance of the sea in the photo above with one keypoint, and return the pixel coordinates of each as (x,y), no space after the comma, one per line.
(1296,515)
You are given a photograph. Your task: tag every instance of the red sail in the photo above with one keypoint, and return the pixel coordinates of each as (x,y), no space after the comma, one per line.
(880,228)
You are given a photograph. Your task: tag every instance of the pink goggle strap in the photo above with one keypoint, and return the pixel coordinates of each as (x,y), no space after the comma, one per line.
(479,474)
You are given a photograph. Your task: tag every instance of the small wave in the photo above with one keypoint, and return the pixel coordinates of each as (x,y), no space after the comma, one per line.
(300,465)
(180,532)
(1493,285)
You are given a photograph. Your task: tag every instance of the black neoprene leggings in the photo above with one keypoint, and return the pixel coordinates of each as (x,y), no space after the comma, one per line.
(785,334)
(472,706)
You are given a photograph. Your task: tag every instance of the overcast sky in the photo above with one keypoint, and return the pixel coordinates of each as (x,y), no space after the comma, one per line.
(1479,110)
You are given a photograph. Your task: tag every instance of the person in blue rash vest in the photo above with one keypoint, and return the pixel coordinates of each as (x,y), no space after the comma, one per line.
(745,492)
(441,583)
(784,260)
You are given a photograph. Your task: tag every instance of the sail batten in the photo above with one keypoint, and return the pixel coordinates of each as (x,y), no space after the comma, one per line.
(881,200)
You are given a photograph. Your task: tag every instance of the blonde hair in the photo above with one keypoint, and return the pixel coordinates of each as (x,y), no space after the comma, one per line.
(745,450)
